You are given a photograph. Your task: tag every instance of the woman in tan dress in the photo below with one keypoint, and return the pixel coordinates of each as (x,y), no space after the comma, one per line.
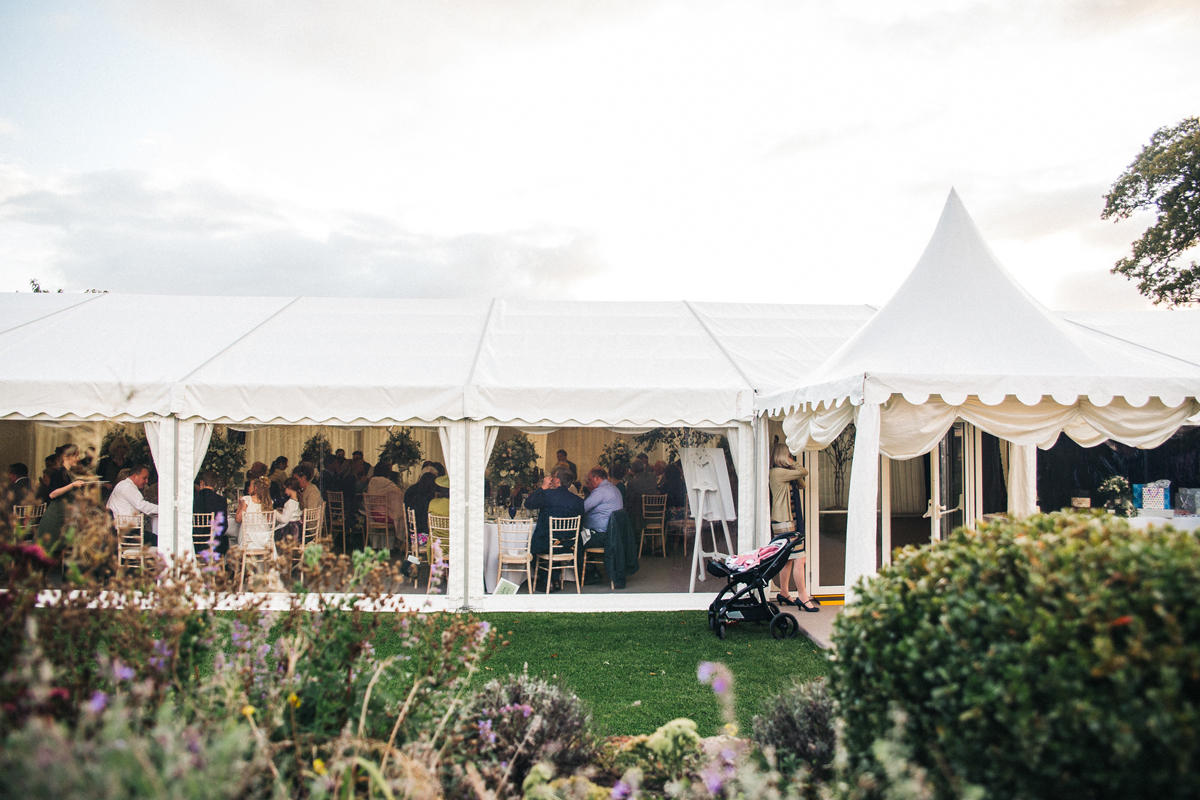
(787,517)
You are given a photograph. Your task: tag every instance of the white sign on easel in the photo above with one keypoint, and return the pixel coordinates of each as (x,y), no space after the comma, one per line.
(710,499)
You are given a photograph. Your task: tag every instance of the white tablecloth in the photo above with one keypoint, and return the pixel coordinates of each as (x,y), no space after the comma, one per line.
(491,560)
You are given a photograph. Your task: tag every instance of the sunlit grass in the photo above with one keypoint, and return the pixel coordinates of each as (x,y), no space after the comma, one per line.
(637,670)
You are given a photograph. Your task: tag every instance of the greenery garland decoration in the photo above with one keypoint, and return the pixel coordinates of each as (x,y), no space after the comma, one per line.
(673,440)
(513,462)
(401,450)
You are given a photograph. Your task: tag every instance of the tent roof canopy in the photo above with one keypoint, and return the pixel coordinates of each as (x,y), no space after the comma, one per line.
(961,326)
(371,360)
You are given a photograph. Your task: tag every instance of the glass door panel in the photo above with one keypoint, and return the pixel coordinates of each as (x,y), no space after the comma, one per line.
(948,506)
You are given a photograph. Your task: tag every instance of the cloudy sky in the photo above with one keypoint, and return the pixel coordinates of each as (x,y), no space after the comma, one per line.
(640,149)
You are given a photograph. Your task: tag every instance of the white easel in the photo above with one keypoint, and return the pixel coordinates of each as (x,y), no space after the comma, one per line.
(703,478)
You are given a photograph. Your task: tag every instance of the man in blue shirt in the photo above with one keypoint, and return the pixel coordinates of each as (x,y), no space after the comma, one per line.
(603,499)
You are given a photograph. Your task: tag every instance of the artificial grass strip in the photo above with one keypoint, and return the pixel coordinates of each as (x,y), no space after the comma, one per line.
(637,670)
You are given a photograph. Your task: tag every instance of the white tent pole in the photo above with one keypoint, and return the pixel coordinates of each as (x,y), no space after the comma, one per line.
(473,587)
(1022,480)
(864,496)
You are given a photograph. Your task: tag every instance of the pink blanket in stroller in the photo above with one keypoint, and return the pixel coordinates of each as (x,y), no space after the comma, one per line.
(752,559)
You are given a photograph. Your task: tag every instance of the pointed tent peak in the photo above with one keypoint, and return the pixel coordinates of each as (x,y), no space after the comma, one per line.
(959,322)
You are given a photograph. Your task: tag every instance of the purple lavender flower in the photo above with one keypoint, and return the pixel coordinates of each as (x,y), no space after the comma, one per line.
(713,781)
(621,790)
(121,672)
(98,702)
(720,685)
(705,671)
(486,732)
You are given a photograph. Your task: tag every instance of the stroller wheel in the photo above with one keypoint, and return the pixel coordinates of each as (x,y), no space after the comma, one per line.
(720,630)
(784,626)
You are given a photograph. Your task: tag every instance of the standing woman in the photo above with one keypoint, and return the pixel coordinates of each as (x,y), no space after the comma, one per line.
(787,517)
(61,489)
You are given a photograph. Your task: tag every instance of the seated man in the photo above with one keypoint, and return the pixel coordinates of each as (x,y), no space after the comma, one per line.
(603,499)
(22,489)
(552,499)
(126,499)
(205,500)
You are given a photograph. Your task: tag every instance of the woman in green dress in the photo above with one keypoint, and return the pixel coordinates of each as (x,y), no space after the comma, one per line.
(62,489)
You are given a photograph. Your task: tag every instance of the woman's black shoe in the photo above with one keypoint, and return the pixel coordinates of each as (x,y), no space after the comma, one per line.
(810,605)
(785,601)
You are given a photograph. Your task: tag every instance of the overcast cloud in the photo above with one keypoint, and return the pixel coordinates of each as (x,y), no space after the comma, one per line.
(656,149)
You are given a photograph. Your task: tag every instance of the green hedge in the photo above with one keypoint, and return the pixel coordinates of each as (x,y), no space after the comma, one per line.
(1056,657)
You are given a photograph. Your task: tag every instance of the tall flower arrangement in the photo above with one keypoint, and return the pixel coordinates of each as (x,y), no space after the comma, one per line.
(315,449)
(615,452)
(401,450)
(227,458)
(513,461)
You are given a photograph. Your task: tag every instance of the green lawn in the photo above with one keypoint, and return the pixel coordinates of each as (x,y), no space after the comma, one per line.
(637,670)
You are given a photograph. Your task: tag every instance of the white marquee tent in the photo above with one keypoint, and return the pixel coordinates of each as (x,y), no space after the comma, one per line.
(467,367)
(962,340)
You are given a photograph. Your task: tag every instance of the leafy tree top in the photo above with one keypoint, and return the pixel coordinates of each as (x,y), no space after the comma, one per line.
(1164,177)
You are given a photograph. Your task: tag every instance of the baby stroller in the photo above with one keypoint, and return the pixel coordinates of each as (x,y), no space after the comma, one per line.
(744,598)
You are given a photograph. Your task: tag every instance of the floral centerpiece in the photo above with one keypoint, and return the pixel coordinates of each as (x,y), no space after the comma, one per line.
(513,462)
(227,458)
(315,449)
(615,452)
(1117,495)
(401,450)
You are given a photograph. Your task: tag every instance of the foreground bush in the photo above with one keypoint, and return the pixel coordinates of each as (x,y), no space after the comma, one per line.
(519,721)
(1054,657)
(798,726)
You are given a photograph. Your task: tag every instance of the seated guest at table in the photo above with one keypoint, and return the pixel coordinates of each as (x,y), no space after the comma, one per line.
(603,499)
(127,500)
(330,479)
(310,495)
(552,499)
(279,471)
(419,496)
(563,461)
(205,500)
(111,465)
(660,471)
(439,506)
(641,484)
(18,481)
(257,470)
(384,484)
(616,477)
(289,522)
(358,467)
(257,500)
(675,488)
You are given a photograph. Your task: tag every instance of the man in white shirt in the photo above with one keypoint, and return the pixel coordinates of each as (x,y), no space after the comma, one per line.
(126,499)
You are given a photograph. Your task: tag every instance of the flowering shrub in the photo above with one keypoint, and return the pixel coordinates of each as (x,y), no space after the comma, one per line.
(513,462)
(798,727)
(1054,656)
(521,720)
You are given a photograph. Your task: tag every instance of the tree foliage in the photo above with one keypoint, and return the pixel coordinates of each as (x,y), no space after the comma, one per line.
(1165,177)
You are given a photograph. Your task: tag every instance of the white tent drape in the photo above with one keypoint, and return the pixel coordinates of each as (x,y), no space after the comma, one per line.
(909,430)
(1022,483)
(864,498)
